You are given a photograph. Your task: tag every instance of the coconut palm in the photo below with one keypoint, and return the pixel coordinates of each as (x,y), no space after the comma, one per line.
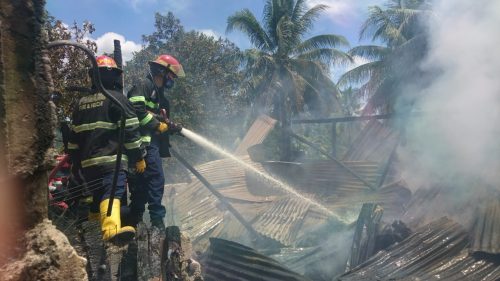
(285,72)
(393,65)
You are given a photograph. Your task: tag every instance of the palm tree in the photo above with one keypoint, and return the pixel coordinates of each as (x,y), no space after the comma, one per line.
(393,66)
(284,72)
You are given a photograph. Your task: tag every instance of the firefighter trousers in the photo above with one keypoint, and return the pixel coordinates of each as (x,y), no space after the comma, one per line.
(148,186)
(103,193)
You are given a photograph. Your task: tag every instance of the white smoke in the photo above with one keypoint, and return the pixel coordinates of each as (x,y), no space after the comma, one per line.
(460,141)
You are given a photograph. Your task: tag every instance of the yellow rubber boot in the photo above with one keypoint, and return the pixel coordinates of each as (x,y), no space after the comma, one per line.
(111,226)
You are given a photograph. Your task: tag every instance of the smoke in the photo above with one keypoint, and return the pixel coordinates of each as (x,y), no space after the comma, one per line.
(457,139)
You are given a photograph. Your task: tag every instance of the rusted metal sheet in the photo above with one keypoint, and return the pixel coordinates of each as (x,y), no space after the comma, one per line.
(437,251)
(256,134)
(486,229)
(375,143)
(282,220)
(228,260)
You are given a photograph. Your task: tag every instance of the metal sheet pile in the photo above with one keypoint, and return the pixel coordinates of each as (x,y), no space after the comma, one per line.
(436,251)
(227,260)
(486,229)
(274,213)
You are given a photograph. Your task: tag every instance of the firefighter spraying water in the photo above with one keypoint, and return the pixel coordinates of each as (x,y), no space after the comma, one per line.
(149,100)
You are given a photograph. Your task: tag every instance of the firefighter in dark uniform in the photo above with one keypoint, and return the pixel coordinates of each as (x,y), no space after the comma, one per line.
(149,101)
(93,144)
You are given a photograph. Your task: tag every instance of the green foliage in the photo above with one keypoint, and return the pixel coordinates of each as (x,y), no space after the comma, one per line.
(284,70)
(393,68)
(207,100)
(69,66)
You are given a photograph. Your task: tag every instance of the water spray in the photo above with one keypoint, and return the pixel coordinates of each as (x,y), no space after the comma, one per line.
(200,140)
(255,235)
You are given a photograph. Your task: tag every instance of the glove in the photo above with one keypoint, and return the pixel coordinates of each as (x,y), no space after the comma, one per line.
(174,128)
(162,128)
(140,166)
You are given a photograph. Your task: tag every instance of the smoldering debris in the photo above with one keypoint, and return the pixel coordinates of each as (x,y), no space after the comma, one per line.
(436,251)
(307,243)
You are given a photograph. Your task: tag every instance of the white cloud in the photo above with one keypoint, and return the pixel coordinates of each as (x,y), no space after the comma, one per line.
(344,11)
(210,33)
(105,44)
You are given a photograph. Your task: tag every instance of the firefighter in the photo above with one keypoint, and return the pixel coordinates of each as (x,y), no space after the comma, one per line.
(149,100)
(93,145)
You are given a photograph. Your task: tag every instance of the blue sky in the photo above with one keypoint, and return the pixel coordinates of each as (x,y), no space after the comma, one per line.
(127,20)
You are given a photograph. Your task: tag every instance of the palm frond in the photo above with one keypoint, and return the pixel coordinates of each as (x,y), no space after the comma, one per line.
(272,14)
(286,36)
(318,80)
(305,22)
(308,68)
(295,86)
(321,41)
(254,85)
(371,86)
(298,10)
(380,99)
(252,56)
(327,56)
(372,52)
(380,26)
(246,22)
(360,74)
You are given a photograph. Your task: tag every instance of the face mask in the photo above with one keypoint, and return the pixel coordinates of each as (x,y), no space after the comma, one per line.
(169,83)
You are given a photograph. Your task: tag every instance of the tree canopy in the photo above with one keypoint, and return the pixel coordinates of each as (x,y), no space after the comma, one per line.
(207,100)
(394,66)
(69,66)
(284,69)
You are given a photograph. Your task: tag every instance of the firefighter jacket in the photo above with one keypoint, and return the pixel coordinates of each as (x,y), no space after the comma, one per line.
(148,100)
(94,136)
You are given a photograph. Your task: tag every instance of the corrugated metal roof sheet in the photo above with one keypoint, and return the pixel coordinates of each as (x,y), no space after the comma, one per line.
(228,260)
(314,262)
(486,230)
(375,143)
(256,134)
(337,188)
(437,251)
(194,208)
(422,207)
(282,220)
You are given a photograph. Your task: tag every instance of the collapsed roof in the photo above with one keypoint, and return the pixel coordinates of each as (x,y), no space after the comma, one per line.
(296,230)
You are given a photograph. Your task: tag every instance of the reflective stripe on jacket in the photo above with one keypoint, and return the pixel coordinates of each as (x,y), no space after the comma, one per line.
(147,101)
(93,140)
